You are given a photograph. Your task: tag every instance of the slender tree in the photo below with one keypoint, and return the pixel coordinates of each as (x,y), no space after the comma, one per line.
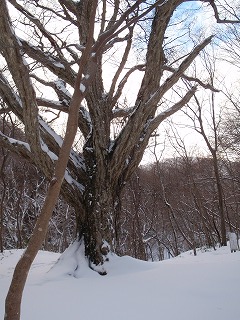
(212,139)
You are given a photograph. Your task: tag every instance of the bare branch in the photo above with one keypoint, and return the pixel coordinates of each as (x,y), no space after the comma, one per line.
(179,72)
(120,112)
(11,50)
(56,105)
(193,79)
(122,83)
(112,32)
(37,22)
(216,13)
(177,106)
(122,64)
(54,64)
(5,110)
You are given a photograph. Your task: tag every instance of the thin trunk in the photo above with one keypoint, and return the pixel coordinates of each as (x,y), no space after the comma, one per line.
(2,175)
(213,151)
(19,217)
(220,202)
(14,296)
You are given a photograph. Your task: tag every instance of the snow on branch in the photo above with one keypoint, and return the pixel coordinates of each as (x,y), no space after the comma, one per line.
(10,98)
(70,180)
(45,149)
(61,86)
(82,87)
(16,146)
(120,112)
(75,159)
(58,139)
(54,64)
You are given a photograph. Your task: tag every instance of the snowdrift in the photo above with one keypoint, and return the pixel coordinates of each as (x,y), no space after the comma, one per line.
(206,286)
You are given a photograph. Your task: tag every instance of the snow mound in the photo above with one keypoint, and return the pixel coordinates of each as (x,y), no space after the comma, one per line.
(73,263)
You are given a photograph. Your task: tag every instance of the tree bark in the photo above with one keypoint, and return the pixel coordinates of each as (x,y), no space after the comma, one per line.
(105,164)
(14,296)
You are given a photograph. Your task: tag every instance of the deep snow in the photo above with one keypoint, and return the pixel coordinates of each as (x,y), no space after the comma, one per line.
(202,287)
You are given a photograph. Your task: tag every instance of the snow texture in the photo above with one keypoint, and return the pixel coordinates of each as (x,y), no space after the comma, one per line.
(233,241)
(187,287)
(56,137)
(58,64)
(17,142)
(59,140)
(70,180)
(52,155)
(82,87)
(61,85)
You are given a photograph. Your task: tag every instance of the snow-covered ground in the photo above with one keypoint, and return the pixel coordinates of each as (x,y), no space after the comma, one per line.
(205,287)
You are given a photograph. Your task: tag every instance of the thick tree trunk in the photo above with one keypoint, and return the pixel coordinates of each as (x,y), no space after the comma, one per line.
(96,229)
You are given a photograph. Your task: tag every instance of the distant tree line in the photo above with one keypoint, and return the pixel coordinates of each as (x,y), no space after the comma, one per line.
(168,207)
(172,206)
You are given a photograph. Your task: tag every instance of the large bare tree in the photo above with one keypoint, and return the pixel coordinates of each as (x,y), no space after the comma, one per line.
(42,46)
(53,55)
(38,56)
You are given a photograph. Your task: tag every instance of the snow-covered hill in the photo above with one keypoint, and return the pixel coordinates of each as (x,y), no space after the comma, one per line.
(205,287)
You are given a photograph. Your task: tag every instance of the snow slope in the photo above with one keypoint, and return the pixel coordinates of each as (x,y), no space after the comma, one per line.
(205,287)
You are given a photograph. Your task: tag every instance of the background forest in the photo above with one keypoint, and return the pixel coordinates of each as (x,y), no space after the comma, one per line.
(169,206)
(185,193)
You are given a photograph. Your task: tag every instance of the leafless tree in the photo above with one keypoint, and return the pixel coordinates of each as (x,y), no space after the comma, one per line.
(62,46)
(212,138)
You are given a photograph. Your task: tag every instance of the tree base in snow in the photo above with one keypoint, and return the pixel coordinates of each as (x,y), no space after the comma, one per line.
(73,262)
